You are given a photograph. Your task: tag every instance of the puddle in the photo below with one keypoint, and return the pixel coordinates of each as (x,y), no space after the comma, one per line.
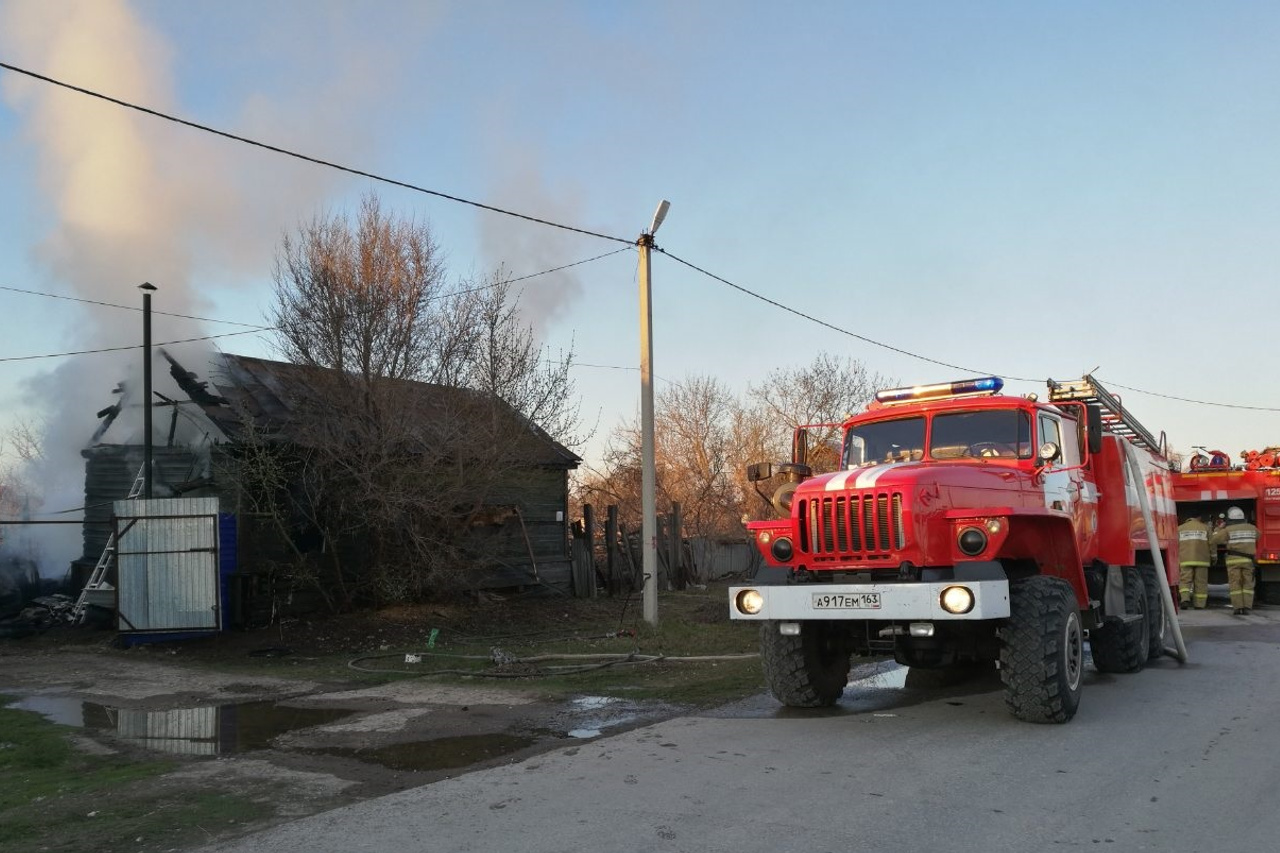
(446,753)
(206,730)
(589,716)
(593,703)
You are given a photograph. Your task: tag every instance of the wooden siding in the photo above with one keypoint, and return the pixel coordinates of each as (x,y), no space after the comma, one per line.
(110,471)
(539,493)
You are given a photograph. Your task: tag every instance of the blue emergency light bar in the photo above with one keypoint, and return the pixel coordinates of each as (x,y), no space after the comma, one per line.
(985,385)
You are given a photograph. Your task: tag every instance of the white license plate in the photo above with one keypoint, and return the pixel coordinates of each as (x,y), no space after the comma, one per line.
(846,601)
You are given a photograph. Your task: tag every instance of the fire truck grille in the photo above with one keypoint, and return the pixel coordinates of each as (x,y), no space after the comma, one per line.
(867,525)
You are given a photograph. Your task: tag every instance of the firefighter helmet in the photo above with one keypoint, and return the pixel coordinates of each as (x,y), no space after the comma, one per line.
(1235,513)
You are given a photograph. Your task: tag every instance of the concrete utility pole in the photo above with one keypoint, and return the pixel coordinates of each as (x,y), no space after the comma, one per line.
(147,288)
(648,469)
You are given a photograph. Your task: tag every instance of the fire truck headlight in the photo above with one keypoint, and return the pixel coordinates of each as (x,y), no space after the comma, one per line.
(956,599)
(750,602)
(972,541)
(781,549)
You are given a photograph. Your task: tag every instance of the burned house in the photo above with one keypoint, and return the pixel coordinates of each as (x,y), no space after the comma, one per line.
(249,426)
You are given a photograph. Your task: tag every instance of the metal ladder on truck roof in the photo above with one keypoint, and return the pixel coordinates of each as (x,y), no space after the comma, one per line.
(97,578)
(1114,416)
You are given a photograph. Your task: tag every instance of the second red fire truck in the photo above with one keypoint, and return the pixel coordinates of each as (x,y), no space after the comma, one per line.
(965,525)
(1208,489)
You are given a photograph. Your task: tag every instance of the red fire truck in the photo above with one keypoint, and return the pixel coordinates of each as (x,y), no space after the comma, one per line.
(1208,490)
(964,526)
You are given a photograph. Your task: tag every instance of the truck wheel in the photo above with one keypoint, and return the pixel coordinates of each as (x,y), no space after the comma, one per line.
(808,670)
(1155,611)
(1123,646)
(1269,592)
(1042,651)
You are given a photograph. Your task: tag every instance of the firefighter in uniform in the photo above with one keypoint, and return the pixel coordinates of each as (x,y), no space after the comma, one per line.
(1241,540)
(1193,562)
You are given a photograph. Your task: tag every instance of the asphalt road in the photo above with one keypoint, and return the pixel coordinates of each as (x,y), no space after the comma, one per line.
(1175,758)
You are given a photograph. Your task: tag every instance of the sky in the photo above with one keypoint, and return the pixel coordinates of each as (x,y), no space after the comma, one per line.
(1028,190)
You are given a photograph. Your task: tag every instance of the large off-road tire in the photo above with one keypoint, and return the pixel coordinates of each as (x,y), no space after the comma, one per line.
(1042,651)
(1124,647)
(1155,611)
(808,670)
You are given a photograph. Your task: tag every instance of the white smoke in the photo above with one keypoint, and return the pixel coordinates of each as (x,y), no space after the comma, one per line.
(113,187)
(522,248)
(132,199)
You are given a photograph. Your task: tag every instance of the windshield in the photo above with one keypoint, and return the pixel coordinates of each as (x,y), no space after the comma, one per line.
(884,441)
(994,433)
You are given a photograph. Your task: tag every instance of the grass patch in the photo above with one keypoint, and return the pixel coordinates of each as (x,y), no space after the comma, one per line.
(563,648)
(56,798)
(470,639)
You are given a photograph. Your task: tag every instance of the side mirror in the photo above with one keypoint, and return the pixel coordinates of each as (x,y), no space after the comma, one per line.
(1093,428)
(759,471)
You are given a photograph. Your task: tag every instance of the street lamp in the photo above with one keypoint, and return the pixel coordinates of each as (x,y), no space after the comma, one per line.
(648,470)
(147,289)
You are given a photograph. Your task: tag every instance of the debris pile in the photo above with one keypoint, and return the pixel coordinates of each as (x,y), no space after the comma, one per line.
(39,614)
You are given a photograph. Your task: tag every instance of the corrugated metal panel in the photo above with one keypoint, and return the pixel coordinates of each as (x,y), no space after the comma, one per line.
(168,564)
(181,731)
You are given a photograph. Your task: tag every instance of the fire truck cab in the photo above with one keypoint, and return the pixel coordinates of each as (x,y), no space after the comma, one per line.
(964,526)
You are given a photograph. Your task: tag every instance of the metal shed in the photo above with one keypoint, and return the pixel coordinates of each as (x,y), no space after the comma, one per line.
(167,553)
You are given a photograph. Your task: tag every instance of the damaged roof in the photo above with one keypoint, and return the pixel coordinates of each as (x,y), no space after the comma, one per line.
(274,395)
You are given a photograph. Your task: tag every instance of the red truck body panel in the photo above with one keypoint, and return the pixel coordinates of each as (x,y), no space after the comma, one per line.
(1062,517)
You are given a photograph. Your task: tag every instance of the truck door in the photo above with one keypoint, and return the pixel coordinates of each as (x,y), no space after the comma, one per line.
(1065,485)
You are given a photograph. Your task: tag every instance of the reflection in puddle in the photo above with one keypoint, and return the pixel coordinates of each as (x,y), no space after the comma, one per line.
(444,753)
(889,676)
(207,730)
(591,715)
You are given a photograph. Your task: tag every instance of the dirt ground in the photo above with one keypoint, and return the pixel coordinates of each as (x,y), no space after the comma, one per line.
(276,714)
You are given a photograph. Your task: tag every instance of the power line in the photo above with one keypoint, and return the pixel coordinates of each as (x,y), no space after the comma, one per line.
(307,158)
(832,326)
(634,369)
(480,205)
(628,248)
(252,329)
(909,354)
(1197,402)
(531,275)
(132,346)
(133,308)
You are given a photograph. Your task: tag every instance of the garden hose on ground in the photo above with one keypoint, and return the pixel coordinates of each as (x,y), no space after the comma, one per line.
(508,660)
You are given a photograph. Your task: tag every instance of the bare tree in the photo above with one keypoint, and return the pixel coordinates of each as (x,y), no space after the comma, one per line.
(358,297)
(705,438)
(827,390)
(26,438)
(693,438)
(418,403)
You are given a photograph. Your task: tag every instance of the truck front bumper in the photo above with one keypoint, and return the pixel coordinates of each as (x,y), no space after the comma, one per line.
(885,602)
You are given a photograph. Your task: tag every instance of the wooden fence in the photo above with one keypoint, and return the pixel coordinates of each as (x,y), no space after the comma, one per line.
(609,557)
